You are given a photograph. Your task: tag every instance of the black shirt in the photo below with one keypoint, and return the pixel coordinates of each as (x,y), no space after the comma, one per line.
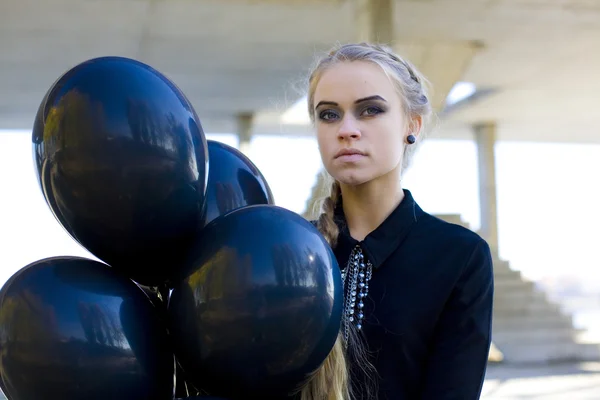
(428,312)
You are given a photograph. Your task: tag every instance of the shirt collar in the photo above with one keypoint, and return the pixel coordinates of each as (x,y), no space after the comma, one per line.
(387,237)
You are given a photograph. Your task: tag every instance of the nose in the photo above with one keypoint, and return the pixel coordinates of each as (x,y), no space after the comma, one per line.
(349,129)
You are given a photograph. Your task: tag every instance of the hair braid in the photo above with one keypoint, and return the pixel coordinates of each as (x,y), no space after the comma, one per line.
(326,223)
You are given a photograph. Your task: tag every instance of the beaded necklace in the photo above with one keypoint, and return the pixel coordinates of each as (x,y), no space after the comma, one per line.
(355,278)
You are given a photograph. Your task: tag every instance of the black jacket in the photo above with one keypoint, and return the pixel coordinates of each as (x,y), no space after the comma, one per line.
(428,313)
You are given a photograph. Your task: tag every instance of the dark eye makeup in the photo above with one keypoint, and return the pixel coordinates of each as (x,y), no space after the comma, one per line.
(372,110)
(361,111)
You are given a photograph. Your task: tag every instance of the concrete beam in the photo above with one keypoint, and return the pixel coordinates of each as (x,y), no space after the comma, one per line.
(443,63)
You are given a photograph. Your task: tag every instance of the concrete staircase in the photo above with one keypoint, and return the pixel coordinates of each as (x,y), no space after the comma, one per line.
(528,327)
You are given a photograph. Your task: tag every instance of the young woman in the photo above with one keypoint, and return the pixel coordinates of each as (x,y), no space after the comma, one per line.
(418,290)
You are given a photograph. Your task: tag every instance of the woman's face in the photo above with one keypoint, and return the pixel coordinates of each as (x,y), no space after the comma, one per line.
(360,122)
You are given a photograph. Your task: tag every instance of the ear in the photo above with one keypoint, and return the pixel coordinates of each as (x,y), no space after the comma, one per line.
(414,125)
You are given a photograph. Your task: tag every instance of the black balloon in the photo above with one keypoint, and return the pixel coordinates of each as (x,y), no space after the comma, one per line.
(259,306)
(233,182)
(72,328)
(122,161)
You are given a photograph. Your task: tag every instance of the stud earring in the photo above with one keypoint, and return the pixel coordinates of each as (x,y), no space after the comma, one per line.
(411,139)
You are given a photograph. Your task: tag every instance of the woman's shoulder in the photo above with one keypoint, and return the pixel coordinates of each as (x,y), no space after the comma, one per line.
(458,250)
(449,228)
(453,237)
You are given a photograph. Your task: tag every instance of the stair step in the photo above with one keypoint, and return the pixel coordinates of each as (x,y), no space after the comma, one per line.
(564,335)
(534,307)
(519,296)
(502,314)
(549,352)
(501,274)
(521,322)
(502,266)
(514,285)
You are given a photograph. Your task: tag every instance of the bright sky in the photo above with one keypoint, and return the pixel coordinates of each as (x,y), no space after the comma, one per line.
(547,198)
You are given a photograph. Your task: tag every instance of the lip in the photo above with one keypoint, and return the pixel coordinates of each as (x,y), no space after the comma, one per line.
(349,152)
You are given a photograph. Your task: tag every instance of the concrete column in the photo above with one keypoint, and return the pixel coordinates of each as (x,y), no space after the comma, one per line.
(244,131)
(485,137)
(375,21)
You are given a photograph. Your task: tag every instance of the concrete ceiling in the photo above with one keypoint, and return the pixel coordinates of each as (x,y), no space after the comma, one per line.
(541,57)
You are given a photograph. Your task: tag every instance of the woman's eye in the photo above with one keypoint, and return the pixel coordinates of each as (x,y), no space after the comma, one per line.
(372,111)
(328,115)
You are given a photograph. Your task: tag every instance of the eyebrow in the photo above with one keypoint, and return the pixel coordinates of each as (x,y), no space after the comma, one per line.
(333,103)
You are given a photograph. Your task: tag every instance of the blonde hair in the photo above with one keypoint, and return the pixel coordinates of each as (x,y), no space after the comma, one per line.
(332,380)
